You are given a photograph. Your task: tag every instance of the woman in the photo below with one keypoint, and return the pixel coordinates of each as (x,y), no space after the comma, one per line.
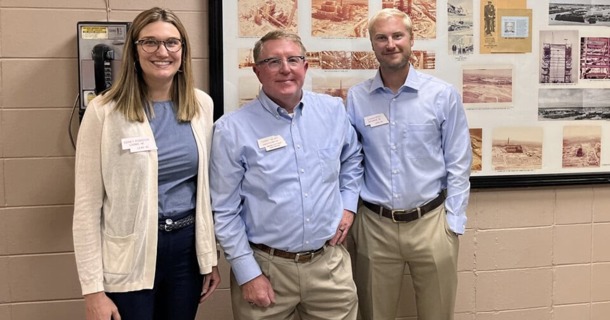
(143,229)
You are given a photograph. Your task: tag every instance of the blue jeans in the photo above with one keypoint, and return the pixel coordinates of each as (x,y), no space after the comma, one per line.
(175,294)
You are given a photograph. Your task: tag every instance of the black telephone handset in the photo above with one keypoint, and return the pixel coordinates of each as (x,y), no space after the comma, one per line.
(102,55)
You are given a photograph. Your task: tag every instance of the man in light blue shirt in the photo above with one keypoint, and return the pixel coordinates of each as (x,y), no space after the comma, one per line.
(285,176)
(417,157)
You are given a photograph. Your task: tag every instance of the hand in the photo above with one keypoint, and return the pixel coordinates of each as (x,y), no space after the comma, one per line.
(258,291)
(343,228)
(100,307)
(210,283)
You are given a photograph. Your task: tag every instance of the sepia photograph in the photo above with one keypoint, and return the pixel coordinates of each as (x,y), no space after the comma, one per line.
(336,60)
(579,12)
(476,143)
(558,56)
(334,86)
(517,148)
(248,88)
(573,104)
(582,146)
(257,17)
(246,60)
(594,58)
(339,19)
(460,27)
(423,59)
(488,87)
(422,13)
(364,60)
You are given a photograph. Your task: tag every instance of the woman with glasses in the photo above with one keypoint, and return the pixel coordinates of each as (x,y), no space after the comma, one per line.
(143,231)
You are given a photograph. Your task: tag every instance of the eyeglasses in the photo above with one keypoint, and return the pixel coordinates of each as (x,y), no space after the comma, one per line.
(275,64)
(152,45)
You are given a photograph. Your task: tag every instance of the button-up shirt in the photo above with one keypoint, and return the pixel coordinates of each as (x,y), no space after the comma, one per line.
(416,143)
(282,180)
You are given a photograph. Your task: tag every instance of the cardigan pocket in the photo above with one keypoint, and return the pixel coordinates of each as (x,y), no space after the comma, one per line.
(118,253)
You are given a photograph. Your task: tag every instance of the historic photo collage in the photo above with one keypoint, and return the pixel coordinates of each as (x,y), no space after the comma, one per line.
(533,76)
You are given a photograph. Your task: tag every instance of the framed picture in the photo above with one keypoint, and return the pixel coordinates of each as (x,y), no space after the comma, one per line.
(534,77)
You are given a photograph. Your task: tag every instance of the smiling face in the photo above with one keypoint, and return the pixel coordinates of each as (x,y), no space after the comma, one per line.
(283,86)
(391,43)
(160,66)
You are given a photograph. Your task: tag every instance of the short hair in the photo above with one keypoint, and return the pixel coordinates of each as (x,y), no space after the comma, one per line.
(387,13)
(276,35)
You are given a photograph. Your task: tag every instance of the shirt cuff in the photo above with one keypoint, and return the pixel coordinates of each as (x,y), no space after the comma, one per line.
(245,269)
(350,201)
(457,223)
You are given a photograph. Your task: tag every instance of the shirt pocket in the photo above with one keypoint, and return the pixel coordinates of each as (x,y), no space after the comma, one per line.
(421,140)
(330,162)
(118,253)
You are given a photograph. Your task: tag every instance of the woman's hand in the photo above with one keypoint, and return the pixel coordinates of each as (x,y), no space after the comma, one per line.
(100,307)
(210,283)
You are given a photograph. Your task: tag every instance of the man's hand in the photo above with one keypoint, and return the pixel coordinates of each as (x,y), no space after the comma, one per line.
(210,283)
(100,307)
(343,228)
(258,291)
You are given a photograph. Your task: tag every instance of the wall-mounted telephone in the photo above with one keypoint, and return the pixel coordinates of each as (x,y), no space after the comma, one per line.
(100,49)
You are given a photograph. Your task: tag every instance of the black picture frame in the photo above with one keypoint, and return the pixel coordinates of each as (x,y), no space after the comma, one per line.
(216,77)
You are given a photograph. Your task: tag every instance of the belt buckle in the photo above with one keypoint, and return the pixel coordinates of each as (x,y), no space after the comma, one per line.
(418,209)
(298,255)
(169,225)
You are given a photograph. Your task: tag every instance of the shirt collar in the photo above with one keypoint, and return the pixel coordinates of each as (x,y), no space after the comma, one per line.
(413,81)
(274,108)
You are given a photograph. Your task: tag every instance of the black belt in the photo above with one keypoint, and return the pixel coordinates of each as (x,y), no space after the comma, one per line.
(298,257)
(170,225)
(407,215)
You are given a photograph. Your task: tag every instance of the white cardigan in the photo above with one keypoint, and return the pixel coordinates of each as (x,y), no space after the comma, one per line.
(115,205)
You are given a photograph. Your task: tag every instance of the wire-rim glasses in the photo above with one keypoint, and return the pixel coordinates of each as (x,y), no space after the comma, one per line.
(152,45)
(275,63)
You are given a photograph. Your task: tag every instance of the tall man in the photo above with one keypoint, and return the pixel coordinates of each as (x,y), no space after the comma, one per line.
(285,176)
(417,159)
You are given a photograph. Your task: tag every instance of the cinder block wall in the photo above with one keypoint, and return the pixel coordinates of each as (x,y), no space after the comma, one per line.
(527,254)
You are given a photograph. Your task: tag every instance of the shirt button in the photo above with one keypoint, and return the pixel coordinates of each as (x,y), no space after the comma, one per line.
(395,171)
(307,242)
(307,219)
(298,146)
(302,170)
(306,194)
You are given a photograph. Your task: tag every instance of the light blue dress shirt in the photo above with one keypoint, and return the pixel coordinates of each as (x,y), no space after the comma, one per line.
(422,148)
(289,197)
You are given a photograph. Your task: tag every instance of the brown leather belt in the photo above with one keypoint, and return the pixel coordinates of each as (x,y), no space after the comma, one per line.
(407,215)
(298,257)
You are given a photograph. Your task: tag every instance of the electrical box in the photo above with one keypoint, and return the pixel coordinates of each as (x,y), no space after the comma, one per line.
(100,50)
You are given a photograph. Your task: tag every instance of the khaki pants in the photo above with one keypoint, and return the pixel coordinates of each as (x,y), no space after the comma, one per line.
(322,289)
(383,250)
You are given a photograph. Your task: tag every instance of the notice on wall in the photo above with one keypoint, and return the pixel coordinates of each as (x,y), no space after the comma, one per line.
(515,31)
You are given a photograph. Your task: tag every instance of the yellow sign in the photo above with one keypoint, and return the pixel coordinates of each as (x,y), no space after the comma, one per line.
(98,32)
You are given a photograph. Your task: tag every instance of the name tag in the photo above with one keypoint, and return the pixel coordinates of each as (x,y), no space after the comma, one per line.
(271,143)
(138,144)
(376,120)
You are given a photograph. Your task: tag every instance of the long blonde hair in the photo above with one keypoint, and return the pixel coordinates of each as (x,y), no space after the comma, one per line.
(130,92)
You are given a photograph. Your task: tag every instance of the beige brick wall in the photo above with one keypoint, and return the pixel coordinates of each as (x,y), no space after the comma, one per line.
(536,254)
